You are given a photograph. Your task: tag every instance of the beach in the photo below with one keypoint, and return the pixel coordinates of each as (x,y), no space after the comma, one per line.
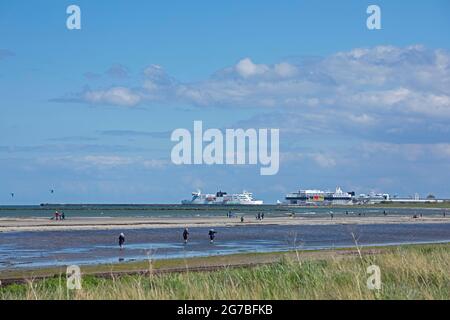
(36,248)
(33,243)
(30,238)
(112,223)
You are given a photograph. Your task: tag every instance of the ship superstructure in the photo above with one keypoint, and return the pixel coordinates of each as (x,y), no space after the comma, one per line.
(222,198)
(319,197)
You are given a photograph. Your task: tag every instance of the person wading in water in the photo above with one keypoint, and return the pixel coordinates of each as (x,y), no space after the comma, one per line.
(185,235)
(212,235)
(121,240)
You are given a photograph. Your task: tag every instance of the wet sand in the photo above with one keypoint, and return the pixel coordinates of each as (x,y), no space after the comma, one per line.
(90,247)
(109,223)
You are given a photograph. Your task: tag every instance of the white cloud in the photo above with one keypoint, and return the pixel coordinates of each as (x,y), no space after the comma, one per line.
(83,162)
(365,82)
(285,70)
(119,96)
(246,68)
(105,161)
(362,119)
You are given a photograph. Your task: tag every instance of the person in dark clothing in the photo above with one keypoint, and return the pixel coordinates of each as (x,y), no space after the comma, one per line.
(63,216)
(185,235)
(262,216)
(212,235)
(121,240)
(242,218)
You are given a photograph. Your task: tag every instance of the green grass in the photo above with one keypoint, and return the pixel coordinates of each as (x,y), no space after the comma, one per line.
(407,272)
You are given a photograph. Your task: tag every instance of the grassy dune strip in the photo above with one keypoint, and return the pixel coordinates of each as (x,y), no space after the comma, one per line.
(176,265)
(412,272)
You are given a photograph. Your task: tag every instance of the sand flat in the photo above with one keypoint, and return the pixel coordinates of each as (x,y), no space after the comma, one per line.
(109,223)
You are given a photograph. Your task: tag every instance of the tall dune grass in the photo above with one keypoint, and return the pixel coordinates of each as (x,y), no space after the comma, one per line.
(406,273)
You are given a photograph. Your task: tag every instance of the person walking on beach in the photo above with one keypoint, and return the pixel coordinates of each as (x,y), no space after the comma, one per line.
(242,218)
(185,235)
(121,240)
(262,216)
(212,235)
(63,216)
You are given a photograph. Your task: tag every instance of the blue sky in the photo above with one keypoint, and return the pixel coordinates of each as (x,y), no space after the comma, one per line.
(89,112)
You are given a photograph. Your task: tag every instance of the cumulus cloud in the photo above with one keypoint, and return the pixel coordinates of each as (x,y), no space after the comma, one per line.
(402,80)
(385,93)
(246,68)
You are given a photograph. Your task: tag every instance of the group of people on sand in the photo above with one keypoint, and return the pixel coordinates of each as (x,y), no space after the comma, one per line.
(59,215)
(259,216)
(211,235)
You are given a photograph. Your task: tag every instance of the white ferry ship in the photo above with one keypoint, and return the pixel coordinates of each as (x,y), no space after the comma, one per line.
(222,198)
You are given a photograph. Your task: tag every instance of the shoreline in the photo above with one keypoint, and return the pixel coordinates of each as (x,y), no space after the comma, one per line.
(182,265)
(202,264)
(110,223)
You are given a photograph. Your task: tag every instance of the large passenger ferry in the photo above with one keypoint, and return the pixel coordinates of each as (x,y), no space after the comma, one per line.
(245,198)
(319,197)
